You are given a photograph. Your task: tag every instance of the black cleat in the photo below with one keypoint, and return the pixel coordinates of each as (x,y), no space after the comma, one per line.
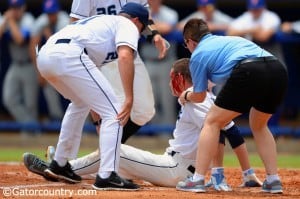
(64,173)
(114,182)
(36,165)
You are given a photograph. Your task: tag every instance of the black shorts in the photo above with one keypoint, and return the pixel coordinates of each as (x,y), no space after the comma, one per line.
(261,84)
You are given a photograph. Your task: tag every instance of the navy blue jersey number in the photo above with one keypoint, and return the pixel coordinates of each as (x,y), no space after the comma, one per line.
(110,10)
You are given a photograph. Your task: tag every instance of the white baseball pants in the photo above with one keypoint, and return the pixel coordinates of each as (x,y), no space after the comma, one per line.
(162,170)
(75,76)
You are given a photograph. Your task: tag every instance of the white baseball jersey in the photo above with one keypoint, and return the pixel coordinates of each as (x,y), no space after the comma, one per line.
(89,8)
(268,20)
(218,17)
(68,61)
(143,105)
(100,35)
(164,170)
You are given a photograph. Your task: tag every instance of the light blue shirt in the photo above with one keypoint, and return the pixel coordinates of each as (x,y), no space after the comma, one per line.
(216,56)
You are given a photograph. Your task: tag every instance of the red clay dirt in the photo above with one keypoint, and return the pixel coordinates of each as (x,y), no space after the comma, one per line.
(17,182)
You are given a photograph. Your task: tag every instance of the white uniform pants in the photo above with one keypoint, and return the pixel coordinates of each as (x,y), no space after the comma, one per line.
(162,170)
(75,76)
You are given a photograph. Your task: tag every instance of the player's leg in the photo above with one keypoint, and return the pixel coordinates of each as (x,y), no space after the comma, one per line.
(162,170)
(13,93)
(103,101)
(87,166)
(53,102)
(67,75)
(237,143)
(266,148)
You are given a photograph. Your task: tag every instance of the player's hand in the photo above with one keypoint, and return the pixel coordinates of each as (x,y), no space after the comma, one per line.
(286,27)
(160,45)
(124,115)
(9,14)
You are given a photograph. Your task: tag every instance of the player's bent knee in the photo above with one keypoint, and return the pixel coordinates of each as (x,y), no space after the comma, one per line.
(234,137)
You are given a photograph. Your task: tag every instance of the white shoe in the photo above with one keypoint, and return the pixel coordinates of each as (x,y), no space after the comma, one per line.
(251,181)
(218,182)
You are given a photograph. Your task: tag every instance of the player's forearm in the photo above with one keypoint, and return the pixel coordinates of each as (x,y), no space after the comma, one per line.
(15,32)
(235,32)
(126,68)
(33,42)
(263,35)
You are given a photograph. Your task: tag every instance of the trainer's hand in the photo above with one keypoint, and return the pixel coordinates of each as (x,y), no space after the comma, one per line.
(160,45)
(124,115)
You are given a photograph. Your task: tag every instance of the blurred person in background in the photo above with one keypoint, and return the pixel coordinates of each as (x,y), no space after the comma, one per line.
(291,27)
(52,20)
(20,88)
(217,21)
(259,25)
(165,19)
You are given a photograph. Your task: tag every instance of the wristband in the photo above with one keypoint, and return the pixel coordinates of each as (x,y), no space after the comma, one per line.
(153,33)
(185,95)
(97,123)
(150,22)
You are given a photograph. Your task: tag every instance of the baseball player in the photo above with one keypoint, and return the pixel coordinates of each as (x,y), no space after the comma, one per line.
(179,158)
(68,61)
(20,89)
(45,25)
(143,104)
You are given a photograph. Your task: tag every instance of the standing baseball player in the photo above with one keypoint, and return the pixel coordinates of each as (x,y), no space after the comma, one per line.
(20,89)
(143,104)
(68,61)
(179,159)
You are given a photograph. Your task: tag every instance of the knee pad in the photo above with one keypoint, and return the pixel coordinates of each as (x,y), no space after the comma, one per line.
(234,137)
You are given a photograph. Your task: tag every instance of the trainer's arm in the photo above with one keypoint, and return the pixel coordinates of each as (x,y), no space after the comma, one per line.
(126,68)
(189,96)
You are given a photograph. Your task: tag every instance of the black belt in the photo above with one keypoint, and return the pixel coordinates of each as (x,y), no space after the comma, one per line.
(63,41)
(66,41)
(191,168)
(257,59)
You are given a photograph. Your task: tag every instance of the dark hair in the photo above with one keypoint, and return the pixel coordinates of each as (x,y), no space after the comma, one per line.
(181,66)
(195,29)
